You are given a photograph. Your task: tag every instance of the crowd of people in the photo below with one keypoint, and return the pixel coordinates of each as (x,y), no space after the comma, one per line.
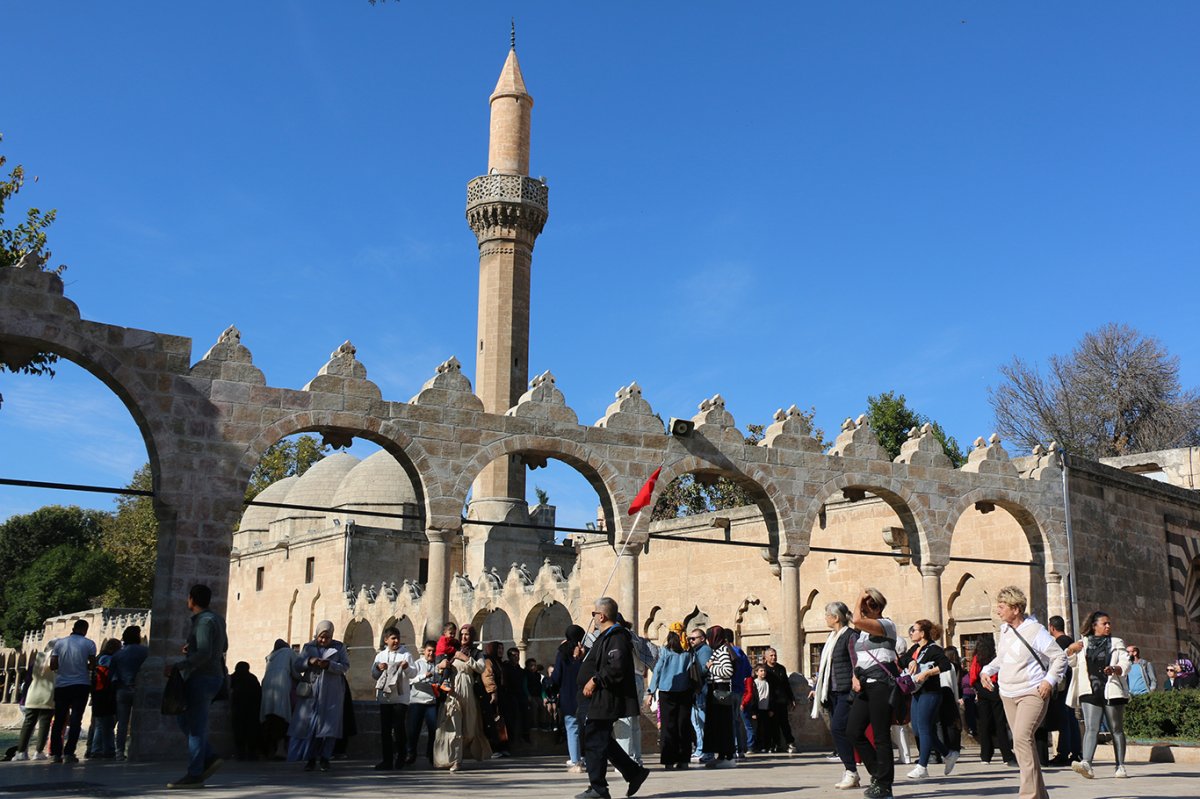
(714,706)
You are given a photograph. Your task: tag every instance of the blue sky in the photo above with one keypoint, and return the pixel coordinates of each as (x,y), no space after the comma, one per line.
(800,203)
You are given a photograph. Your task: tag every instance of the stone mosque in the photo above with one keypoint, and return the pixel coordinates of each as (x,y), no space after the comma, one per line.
(383,541)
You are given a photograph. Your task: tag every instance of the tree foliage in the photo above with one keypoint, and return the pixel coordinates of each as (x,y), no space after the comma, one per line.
(892,419)
(691,495)
(26,537)
(64,579)
(284,458)
(131,541)
(1117,393)
(28,236)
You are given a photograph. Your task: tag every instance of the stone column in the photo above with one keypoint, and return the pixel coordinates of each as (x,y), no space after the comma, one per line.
(931,590)
(627,581)
(436,599)
(789,602)
(1056,598)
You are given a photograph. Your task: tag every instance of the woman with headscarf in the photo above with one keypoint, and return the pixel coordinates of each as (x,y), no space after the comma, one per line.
(672,682)
(275,710)
(460,723)
(718,715)
(566,681)
(245,702)
(316,724)
(1099,688)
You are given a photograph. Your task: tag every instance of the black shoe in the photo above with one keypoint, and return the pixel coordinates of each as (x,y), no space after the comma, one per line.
(383,765)
(324,764)
(187,781)
(637,781)
(310,765)
(210,767)
(591,794)
(1061,760)
(1011,763)
(877,790)
(410,759)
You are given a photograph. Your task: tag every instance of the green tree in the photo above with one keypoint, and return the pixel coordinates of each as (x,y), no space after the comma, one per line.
(891,419)
(131,541)
(691,495)
(27,237)
(64,579)
(24,538)
(284,458)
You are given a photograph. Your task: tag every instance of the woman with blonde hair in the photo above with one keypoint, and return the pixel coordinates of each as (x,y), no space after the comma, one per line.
(1029,663)
(832,687)
(1099,689)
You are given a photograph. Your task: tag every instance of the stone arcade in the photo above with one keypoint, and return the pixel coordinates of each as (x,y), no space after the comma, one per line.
(944,538)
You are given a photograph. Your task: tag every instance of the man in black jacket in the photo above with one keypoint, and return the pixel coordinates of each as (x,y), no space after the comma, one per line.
(606,680)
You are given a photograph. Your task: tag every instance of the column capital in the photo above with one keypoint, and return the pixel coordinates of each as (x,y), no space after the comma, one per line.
(440,535)
(932,569)
(631,549)
(790,561)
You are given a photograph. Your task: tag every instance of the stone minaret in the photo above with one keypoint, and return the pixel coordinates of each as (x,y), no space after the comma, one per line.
(507,210)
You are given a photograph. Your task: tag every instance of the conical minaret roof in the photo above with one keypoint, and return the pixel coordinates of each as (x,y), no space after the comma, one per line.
(511,83)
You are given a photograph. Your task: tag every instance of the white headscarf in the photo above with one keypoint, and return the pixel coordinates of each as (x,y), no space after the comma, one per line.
(322,627)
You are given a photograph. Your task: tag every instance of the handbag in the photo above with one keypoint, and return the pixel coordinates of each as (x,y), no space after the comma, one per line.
(304,688)
(724,696)
(693,673)
(174,700)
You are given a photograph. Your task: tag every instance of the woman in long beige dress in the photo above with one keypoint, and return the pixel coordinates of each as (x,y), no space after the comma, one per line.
(459,723)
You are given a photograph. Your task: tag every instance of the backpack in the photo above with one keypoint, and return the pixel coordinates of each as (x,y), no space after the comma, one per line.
(101,679)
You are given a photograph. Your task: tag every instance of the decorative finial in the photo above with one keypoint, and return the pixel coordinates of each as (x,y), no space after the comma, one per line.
(512,39)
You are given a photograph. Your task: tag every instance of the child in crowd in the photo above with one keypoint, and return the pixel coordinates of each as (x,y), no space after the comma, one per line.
(447,645)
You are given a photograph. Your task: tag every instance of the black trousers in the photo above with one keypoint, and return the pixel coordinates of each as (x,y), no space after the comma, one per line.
(677,733)
(392,736)
(69,704)
(600,749)
(950,721)
(991,727)
(871,708)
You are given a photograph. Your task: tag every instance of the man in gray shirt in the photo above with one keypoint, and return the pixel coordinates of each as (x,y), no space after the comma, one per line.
(203,671)
(71,660)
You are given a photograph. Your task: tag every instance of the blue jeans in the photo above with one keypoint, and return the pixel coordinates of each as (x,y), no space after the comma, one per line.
(698,719)
(421,716)
(571,723)
(201,688)
(748,725)
(124,711)
(925,707)
(101,736)
(740,737)
(838,717)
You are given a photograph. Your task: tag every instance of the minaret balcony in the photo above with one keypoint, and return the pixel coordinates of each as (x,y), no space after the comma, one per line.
(508,189)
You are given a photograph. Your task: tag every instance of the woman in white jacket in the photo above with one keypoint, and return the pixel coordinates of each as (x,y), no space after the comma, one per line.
(1099,688)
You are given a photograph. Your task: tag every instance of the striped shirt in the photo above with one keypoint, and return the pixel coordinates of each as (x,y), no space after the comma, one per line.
(720,665)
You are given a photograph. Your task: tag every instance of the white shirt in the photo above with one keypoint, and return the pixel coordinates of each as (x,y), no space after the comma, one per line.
(392,671)
(1020,672)
(73,653)
(870,649)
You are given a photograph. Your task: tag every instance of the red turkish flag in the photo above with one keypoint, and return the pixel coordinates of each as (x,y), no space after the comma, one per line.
(643,497)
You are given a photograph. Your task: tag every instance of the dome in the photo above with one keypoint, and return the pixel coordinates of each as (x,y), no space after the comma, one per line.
(379,483)
(256,518)
(316,487)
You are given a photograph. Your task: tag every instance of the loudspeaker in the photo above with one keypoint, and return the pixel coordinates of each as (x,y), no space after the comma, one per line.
(682,428)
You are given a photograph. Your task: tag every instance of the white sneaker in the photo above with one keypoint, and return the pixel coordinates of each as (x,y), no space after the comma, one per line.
(1083,769)
(849,780)
(40,756)
(950,760)
(919,773)
(21,756)
(1121,774)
